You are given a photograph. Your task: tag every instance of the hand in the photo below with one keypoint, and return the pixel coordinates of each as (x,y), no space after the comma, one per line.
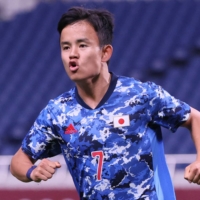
(44,170)
(192,172)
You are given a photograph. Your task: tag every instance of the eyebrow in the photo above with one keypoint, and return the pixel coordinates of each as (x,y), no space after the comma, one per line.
(77,41)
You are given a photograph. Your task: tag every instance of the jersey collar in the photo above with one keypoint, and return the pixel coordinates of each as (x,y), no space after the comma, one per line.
(110,90)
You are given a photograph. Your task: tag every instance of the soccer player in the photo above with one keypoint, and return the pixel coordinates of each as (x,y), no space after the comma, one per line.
(107,127)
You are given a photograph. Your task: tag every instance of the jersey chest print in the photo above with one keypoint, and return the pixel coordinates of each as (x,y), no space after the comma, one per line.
(108,150)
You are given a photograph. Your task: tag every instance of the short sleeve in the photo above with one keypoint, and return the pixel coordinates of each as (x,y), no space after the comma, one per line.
(42,140)
(166,110)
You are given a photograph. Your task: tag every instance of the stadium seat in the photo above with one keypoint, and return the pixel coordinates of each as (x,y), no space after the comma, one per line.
(150,38)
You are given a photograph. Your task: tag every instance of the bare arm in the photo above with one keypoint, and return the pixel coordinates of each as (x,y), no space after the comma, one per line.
(192,172)
(21,162)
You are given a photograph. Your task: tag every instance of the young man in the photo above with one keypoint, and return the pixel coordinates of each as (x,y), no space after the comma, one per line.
(108,126)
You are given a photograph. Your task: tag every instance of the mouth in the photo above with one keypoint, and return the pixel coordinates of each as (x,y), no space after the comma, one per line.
(73,66)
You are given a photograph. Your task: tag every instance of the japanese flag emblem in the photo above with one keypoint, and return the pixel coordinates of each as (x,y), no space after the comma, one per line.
(121,121)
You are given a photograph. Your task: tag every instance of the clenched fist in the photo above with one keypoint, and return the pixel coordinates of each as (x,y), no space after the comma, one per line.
(44,170)
(192,173)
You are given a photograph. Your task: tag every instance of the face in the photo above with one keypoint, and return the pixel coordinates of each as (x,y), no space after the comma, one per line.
(80,51)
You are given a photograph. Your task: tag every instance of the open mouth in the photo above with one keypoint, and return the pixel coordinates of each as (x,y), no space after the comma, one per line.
(73,66)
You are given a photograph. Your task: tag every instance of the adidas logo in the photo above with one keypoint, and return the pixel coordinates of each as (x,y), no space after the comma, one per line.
(70,129)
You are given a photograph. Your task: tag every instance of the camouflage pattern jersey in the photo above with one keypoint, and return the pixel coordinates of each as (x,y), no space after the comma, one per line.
(114,151)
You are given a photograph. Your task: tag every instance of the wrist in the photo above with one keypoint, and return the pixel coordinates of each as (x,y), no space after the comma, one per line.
(28,173)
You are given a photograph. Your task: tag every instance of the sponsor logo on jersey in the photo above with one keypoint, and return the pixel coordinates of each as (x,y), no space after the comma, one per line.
(121,121)
(70,129)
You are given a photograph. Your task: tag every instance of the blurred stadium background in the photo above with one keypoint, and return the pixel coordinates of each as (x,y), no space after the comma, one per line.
(154,40)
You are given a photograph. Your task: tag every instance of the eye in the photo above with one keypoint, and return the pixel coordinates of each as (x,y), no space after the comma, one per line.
(83,45)
(66,47)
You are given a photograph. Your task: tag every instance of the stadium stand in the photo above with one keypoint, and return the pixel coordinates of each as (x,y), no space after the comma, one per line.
(154,40)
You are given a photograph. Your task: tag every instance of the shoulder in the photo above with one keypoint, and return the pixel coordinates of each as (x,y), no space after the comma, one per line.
(63,98)
(60,103)
(137,85)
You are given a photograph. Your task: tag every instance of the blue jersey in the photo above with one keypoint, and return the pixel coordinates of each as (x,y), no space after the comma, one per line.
(114,151)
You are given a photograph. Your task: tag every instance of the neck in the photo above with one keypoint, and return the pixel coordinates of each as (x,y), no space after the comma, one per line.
(93,90)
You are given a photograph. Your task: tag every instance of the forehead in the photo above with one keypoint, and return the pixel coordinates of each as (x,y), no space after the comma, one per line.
(78,30)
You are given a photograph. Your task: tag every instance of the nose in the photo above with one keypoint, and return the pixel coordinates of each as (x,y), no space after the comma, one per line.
(74,53)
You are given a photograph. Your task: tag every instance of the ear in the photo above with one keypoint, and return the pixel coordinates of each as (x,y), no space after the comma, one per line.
(106,53)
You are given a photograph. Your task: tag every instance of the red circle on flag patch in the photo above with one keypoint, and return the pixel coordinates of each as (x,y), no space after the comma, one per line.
(121,121)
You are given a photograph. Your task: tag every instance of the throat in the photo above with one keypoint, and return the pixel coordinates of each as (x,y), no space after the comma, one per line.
(93,99)
(94,92)
(93,96)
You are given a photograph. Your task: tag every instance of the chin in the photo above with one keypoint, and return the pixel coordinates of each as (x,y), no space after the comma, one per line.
(76,78)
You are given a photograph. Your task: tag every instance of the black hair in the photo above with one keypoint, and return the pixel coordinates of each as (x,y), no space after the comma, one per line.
(101,20)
